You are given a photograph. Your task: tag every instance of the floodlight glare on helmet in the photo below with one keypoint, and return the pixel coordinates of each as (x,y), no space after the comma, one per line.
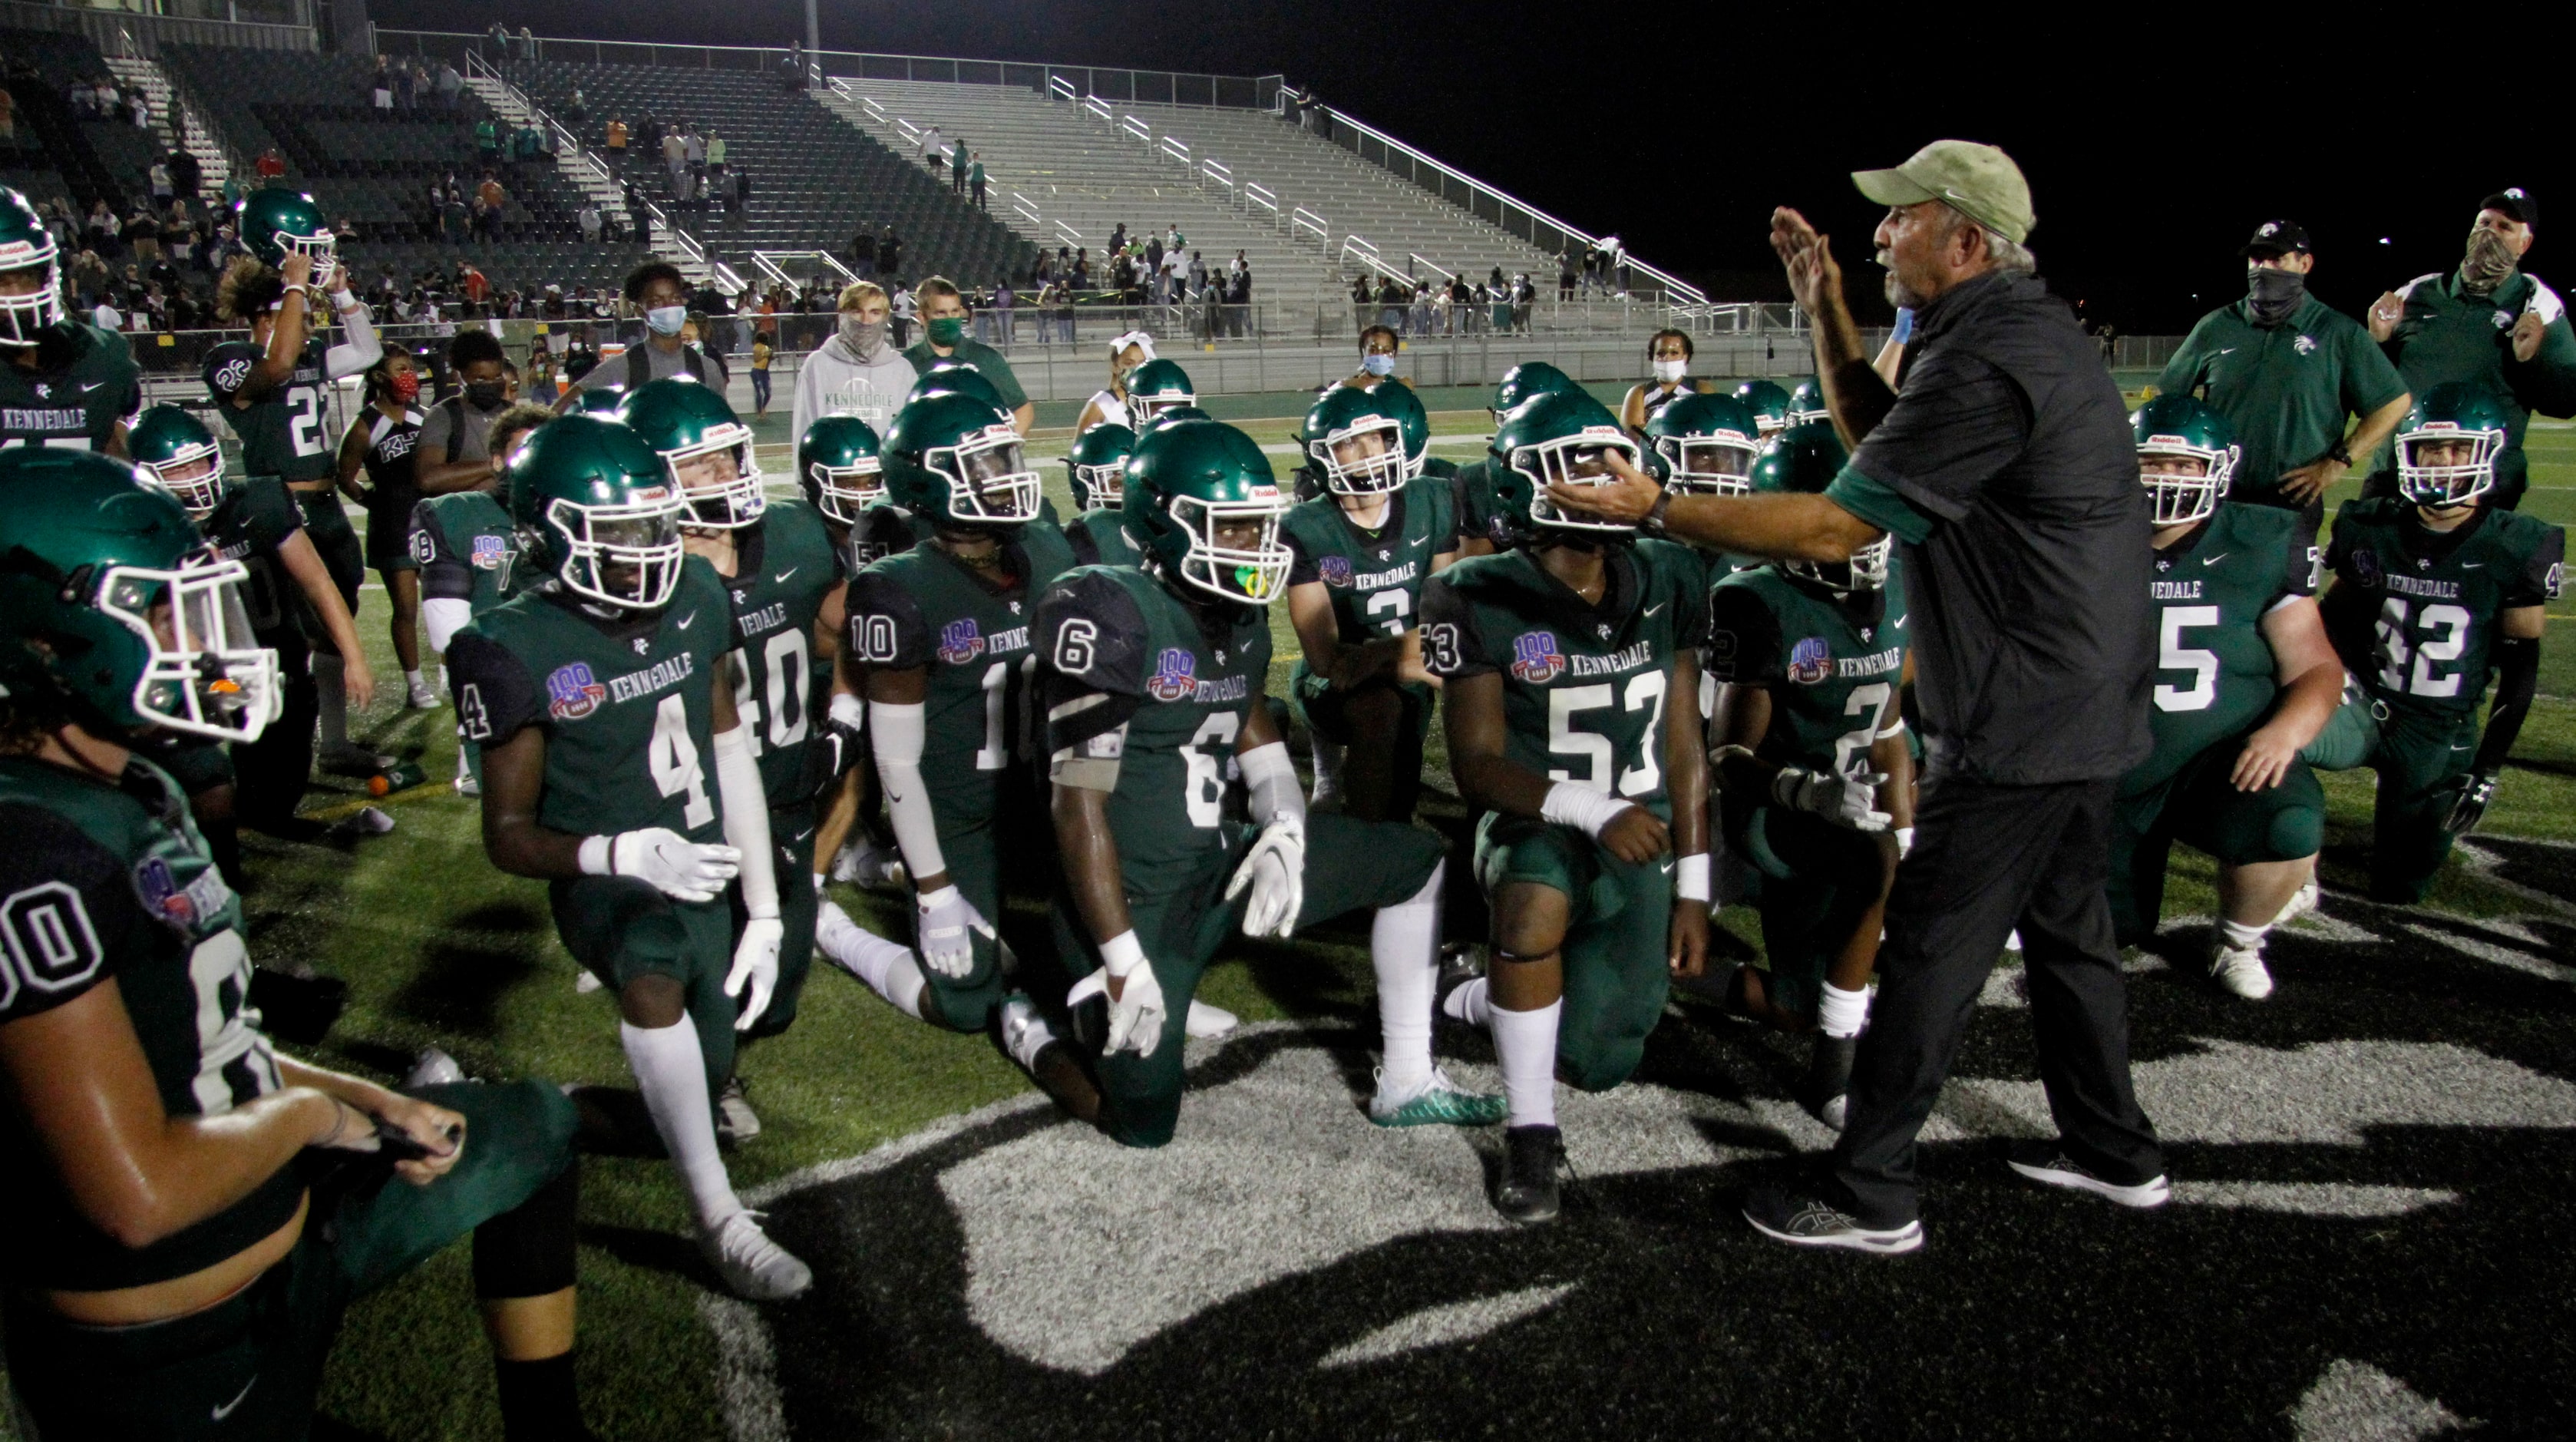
(1098,466)
(603,510)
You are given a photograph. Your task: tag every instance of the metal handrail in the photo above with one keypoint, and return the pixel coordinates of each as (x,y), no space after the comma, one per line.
(1058,86)
(1505,202)
(1303,219)
(1178,149)
(1099,107)
(1217,171)
(1433,266)
(1137,128)
(1263,196)
(1365,248)
(101,26)
(1068,234)
(875,111)
(1020,203)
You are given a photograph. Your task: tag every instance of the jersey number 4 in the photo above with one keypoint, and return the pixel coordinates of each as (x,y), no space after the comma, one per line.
(1645,693)
(672,758)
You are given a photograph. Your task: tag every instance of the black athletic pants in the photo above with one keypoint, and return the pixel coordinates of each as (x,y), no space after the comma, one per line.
(1988,858)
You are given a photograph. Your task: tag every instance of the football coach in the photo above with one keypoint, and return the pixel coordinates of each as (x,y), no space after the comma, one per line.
(2003,464)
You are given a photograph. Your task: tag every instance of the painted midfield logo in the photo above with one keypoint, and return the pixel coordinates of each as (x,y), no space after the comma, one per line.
(1336,570)
(1175,676)
(960,642)
(572,692)
(1811,661)
(1536,659)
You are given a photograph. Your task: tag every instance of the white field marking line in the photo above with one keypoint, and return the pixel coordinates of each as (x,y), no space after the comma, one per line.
(746,1370)
(2485,863)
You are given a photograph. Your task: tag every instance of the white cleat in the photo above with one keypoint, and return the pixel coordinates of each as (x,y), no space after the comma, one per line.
(753,1267)
(869,868)
(424,696)
(2240,970)
(585,981)
(1207,1021)
(735,1120)
(2012,943)
(468,786)
(433,1068)
(2301,902)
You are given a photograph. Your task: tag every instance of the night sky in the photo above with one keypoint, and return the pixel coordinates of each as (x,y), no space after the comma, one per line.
(2151,154)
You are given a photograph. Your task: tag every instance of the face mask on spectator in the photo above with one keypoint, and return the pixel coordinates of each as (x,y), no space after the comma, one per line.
(948,330)
(1378,364)
(865,337)
(404,386)
(485,395)
(666,319)
(1670,372)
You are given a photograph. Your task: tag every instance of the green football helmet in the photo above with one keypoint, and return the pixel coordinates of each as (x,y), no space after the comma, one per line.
(1804,460)
(705,448)
(27,254)
(1560,436)
(1807,402)
(275,223)
(2174,434)
(1355,442)
(602,401)
(600,507)
(1187,481)
(1413,418)
(953,457)
(841,467)
(109,595)
(1169,417)
(1097,465)
(952,374)
(2448,444)
(174,451)
(1707,443)
(1769,404)
(1157,386)
(1527,381)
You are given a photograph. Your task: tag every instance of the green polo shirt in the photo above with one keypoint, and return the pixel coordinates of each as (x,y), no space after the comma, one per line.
(2447,334)
(983,358)
(2286,391)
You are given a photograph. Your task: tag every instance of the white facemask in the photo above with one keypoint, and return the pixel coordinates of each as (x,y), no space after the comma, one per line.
(1670,372)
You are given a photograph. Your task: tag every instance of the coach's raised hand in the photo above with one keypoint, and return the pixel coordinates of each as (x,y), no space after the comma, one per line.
(1815,279)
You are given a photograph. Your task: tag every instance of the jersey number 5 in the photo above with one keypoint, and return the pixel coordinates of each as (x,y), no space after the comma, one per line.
(2173,655)
(1645,693)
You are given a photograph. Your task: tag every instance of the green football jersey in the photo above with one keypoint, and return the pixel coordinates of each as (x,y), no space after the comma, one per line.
(2435,597)
(1478,510)
(1183,677)
(1584,686)
(785,571)
(1099,538)
(2212,589)
(1829,662)
(254,519)
(1373,577)
(627,704)
(103,883)
(468,550)
(925,610)
(285,432)
(84,384)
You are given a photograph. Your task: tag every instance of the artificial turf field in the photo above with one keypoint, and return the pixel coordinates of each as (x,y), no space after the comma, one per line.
(2370,1187)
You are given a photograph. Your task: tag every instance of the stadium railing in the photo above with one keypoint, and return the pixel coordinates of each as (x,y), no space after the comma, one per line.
(144,34)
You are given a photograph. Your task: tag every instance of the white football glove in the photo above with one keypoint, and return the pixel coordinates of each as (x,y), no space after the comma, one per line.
(1136,1012)
(677,867)
(1275,869)
(945,917)
(755,964)
(1843,800)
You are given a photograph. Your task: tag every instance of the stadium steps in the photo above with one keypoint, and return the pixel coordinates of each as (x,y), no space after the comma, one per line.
(513,106)
(191,133)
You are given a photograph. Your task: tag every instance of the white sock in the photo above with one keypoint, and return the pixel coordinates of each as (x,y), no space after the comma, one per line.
(2243,937)
(671,1070)
(1525,1042)
(888,969)
(330,678)
(1328,770)
(1842,1013)
(411,679)
(1404,946)
(1471,1003)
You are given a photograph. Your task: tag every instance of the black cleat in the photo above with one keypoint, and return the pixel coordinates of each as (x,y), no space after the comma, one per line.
(1829,1069)
(1527,1192)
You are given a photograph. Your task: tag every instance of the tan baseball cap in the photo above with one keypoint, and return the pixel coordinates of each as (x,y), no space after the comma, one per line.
(1978,181)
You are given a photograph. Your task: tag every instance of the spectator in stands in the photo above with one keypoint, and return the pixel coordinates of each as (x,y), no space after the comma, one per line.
(944,317)
(527,43)
(716,151)
(859,371)
(905,307)
(975,179)
(139,109)
(106,316)
(761,351)
(142,235)
(577,109)
(405,89)
(472,282)
(929,148)
(159,178)
(890,258)
(1379,348)
(658,290)
(491,193)
(588,219)
(696,151)
(1005,300)
(270,165)
(449,84)
(1079,278)
(1238,303)
(380,89)
(863,250)
(617,138)
(487,141)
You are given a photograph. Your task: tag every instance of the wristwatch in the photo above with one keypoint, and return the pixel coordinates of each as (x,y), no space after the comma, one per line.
(1652,523)
(2341,454)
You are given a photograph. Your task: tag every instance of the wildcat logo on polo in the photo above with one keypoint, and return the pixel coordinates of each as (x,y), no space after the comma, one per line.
(1175,676)
(1336,570)
(1536,659)
(960,641)
(2365,567)
(572,692)
(1811,661)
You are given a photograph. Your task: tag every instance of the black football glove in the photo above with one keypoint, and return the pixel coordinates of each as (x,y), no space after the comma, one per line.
(830,752)
(2478,789)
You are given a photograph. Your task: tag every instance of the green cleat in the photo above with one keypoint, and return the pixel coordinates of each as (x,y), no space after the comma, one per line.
(1442,1103)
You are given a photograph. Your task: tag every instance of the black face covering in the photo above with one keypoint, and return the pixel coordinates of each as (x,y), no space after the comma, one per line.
(2270,295)
(485,395)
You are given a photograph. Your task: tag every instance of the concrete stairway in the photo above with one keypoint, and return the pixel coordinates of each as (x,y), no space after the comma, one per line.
(178,127)
(593,179)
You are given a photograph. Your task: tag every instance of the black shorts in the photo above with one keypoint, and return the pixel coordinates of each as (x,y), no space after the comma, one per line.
(389,529)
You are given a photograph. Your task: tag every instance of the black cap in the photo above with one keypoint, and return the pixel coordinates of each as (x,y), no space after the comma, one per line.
(2278,237)
(2516,202)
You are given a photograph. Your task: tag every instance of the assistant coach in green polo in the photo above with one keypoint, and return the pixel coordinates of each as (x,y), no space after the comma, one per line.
(2286,371)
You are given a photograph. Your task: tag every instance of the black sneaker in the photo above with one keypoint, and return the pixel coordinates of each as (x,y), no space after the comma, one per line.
(1829,1069)
(1527,1192)
(1805,1221)
(2048,1164)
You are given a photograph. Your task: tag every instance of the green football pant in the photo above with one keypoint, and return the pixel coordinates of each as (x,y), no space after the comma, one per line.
(1350,865)
(250,1365)
(326,522)
(1021,837)
(1819,882)
(791,837)
(1326,712)
(2200,806)
(2423,757)
(621,929)
(1618,927)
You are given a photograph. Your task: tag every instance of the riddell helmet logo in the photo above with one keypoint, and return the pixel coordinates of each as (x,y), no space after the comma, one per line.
(1536,659)
(572,692)
(960,641)
(1175,676)
(1811,661)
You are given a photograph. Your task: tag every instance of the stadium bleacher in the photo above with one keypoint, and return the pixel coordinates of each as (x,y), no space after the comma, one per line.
(88,159)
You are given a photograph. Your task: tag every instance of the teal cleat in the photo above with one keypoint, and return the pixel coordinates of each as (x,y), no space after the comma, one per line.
(1441,1103)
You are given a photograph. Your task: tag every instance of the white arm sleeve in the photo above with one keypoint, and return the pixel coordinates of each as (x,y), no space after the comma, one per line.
(361,350)
(1271,779)
(898,732)
(444,616)
(746,823)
